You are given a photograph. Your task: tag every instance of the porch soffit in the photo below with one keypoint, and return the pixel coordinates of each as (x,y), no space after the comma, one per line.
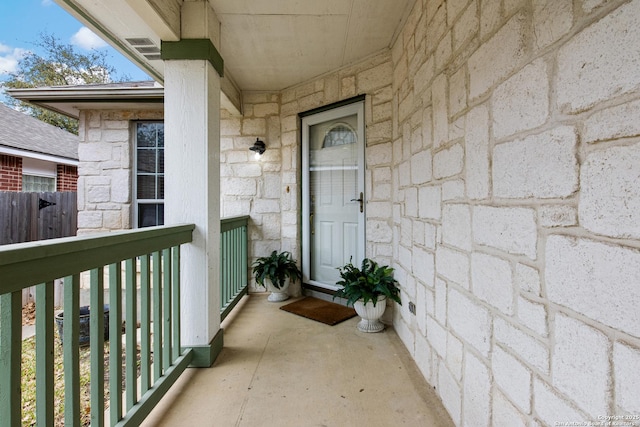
(70,100)
(267,45)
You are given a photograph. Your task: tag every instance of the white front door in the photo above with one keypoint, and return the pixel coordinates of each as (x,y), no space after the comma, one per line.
(332,192)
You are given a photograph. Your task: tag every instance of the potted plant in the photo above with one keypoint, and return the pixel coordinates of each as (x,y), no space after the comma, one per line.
(367,289)
(275,273)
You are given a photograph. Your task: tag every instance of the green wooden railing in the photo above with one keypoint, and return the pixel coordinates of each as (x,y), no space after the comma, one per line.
(233,262)
(153,255)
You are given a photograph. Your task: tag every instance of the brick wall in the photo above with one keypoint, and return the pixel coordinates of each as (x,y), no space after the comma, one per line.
(516,206)
(10,173)
(67,178)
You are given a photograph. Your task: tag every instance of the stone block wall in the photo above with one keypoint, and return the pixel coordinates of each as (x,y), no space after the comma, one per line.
(371,77)
(269,189)
(516,207)
(503,153)
(105,168)
(251,185)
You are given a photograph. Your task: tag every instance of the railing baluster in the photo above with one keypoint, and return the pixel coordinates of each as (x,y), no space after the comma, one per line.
(115,343)
(44,354)
(71,327)
(131,347)
(236,256)
(166,313)
(175,285)
(223,269)
(157,317)
(244,257)
(96,333)
(10,358)
(145,323)
(232,264)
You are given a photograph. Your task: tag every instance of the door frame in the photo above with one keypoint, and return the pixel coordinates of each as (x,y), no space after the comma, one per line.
(343,108)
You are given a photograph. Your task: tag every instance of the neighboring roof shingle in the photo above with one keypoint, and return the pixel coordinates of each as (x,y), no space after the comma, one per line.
(18,130)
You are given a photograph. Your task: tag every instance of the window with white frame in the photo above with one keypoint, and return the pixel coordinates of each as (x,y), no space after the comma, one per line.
(149,173)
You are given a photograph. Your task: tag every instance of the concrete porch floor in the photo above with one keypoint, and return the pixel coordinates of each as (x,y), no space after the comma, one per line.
(279,369)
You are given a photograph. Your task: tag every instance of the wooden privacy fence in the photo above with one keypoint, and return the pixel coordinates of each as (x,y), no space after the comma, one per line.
(26,217)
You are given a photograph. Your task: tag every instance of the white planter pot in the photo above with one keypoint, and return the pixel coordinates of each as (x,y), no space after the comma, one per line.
(371,314)
(277,295)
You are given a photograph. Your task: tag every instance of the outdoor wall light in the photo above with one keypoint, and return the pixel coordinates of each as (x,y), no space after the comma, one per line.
(258,147)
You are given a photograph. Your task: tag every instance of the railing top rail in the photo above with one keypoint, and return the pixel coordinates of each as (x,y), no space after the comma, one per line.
(233,222)
(26,264)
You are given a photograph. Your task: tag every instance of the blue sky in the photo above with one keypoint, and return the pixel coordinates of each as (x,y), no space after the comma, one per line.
(22,21)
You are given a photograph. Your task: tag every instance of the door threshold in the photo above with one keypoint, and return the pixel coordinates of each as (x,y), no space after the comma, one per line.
(321,293)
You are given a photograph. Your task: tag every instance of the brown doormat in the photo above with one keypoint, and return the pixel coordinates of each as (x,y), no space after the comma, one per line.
(320,310)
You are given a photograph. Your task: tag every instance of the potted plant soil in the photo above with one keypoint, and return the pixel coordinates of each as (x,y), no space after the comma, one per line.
(367,289)
(275,272)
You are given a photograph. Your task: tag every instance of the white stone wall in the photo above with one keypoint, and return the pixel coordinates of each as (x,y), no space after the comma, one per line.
(516,206)
(269,189)
(503,161)
(105,168)
(252,186)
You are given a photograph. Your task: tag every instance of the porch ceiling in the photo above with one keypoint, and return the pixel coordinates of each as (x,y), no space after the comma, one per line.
(266,44)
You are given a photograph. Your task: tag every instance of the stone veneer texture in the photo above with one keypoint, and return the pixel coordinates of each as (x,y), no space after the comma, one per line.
(502,151)
(105,168)
(527,113)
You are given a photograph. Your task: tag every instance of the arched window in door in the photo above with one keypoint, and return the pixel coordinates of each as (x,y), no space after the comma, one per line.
(339,134)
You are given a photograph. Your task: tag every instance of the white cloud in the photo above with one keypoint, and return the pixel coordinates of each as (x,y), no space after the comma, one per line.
(9,57)
(86,39)
(47,2)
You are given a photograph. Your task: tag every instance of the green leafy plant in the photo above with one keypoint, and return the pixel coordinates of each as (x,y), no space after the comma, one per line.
(367,283)
(277,267)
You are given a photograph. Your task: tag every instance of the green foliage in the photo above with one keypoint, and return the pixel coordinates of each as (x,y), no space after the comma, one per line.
(58,120)
(276,267)
(367,283)
(60,65)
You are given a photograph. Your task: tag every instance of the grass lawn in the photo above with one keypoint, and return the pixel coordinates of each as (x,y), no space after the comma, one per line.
(29,383)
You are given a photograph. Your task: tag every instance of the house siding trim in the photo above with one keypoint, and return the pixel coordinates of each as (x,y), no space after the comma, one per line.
(193,49)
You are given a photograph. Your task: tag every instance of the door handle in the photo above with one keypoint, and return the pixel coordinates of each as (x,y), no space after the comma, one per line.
(311,225)
(361,200)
